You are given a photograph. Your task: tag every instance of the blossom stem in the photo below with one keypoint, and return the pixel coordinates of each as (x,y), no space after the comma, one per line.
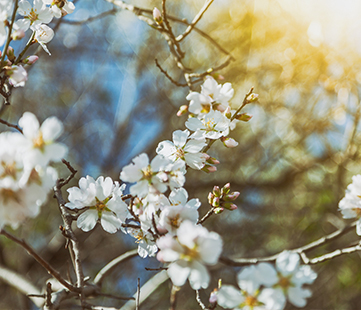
(30,42)
(9,34)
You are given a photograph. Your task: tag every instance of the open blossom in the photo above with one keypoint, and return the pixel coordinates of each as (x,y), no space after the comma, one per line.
(212,96)
(60,7)
(146,175)
(180,149)
(33,15)
(212,126)
(189,253)
(43,34)
(5,11)
(17,76)
(40,144)
(350,205)
(103,200)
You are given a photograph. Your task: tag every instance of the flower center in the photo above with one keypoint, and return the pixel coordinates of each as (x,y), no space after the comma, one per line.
(175,221)
(32,16)
(251,301)
(189,254)
(180,153)
(8,170)
(9,194)
(284,282)
(147,172)
(210,124)
(39,142)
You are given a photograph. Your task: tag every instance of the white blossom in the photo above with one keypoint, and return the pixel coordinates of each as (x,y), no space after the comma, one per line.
(188,254)
(103,200)
(43,34)
(180,149)
(33,15)
(17,76)
(60,7)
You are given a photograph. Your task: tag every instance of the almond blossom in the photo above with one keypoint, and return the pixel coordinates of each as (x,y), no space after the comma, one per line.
(40,146)
(212,126)
(60,7)
(43,34)
(5,11)
(102,199)
(350,205)
(181,149)
(189,253)
(17,75)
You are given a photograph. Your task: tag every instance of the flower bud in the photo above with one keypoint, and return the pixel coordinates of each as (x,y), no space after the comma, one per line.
(30,60)
(252,98)
(157,16)
(208,169)
(218,210)
(210,197)
(213,297)
(226,188)
(215,202)
(10,53)
(229,142)
(182,110)
(244,117)
(217,191)
(18,34)
(212,161)
(231,196)
(229,206)
(227,112)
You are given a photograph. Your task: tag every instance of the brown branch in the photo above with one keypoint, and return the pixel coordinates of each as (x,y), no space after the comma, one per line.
(168,76)
(301,250)
(40,260)
(90,19)
(11,125)
(207,215)
(199,300)
(196,19)
(138,295)
(333,254)
(211,70)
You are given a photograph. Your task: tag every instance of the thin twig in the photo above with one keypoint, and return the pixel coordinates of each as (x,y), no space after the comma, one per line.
(306,248)
(334,254)
(90,19)
(11,125)
(199,300)
(196,19)
(138,295)
(207,215)
(211,70)
(168,76)
(40,260)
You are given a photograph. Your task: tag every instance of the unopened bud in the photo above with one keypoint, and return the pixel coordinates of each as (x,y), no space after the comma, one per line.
(10,53)
(231,196)
(217,76)
(30,60)
(213,297)
(18,34)
(226,188)
(229,142)
(209,169)
(244,117)
(157,16)
(215,202)
(212,161)
(227,112)
(229,206)
(218,210)
(217,191)
(210,197)
(252,98)
(182,110)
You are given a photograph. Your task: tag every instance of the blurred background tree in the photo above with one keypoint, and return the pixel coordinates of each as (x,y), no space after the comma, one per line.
(294,159)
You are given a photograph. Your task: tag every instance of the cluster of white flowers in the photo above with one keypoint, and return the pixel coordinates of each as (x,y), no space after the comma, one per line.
(25,174)
(263,287)
(350,205)
(35,17)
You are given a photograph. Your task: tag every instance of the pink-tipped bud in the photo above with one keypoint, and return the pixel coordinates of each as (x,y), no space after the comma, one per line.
(215,202)
(30,60)
(209,169)
(213,297)
(182,110)
(229,142)
(18,34)
(244,117)
(218,210)
(227,112)
(226,188)
(210,197)
(231,196)
(10,53)
(206,156)
(229,206)
(212,161)
(217,191)
(219,107)
(157,16)
(252,98)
